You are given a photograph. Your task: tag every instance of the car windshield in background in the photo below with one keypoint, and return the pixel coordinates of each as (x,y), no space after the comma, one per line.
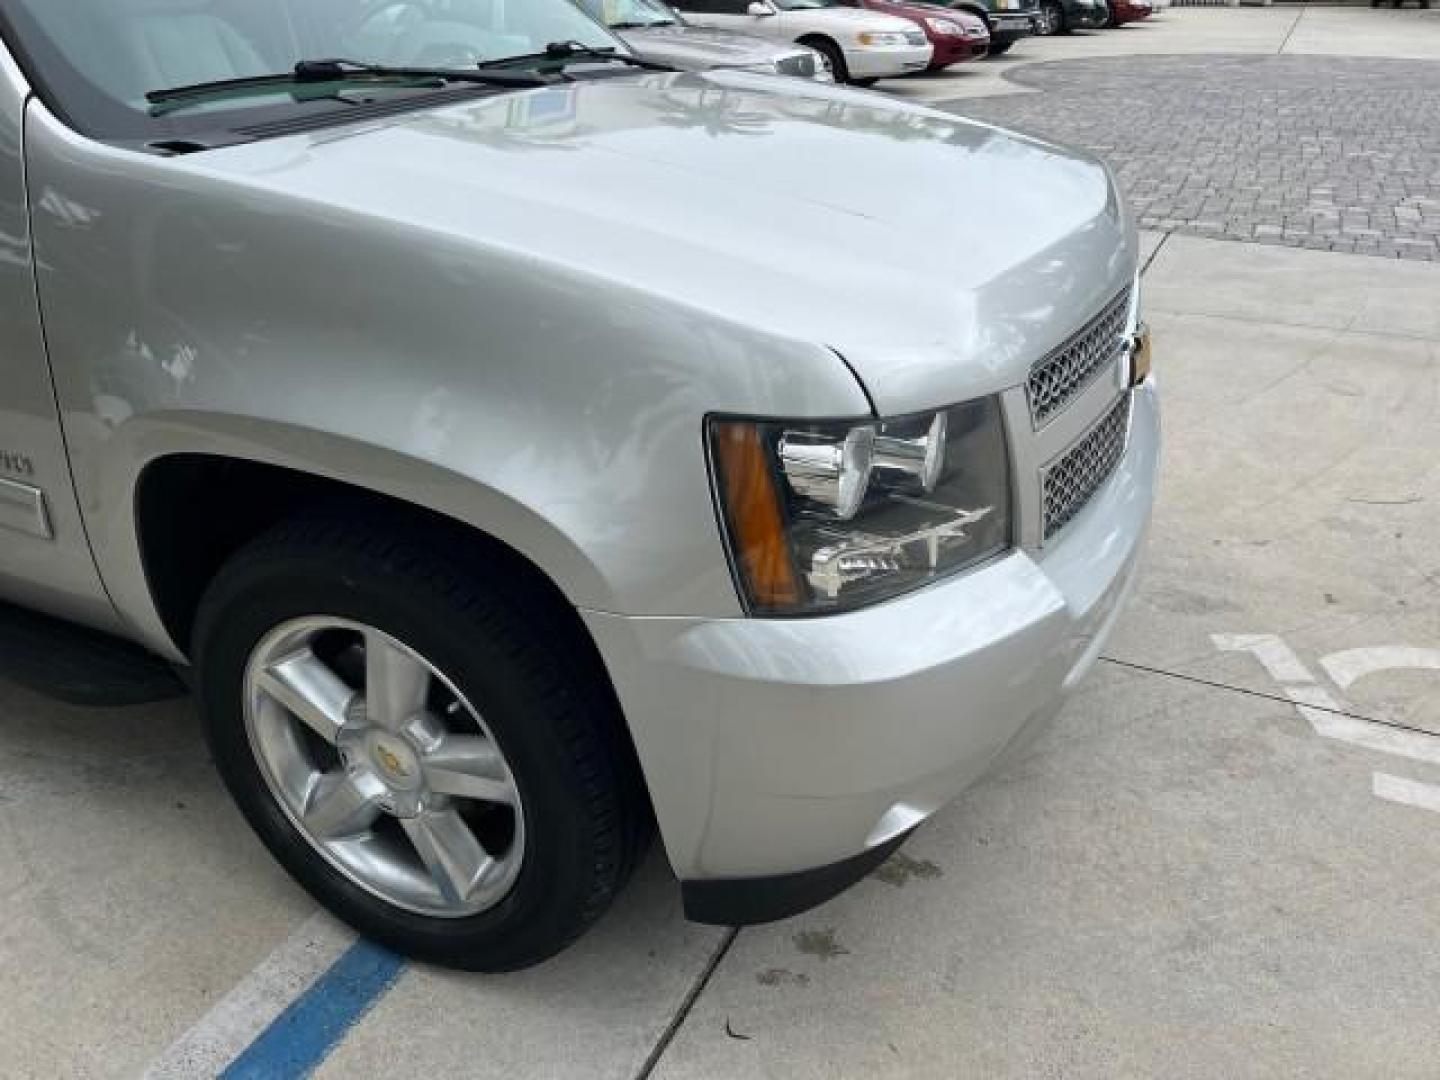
(629,14)
(95,61)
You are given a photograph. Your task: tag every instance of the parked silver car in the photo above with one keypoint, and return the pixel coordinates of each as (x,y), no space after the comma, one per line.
(520,452)
(657,32)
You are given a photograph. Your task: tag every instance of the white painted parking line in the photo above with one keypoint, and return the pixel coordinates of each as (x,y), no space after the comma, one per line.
(1328,717)
(1352,664)
(246,1011)
(1274,655)
(1401,789)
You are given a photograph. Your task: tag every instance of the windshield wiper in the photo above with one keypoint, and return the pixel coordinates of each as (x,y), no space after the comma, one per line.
(640,25)
(309,72)
(560,53)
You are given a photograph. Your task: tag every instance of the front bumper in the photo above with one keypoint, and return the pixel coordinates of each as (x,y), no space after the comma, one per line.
(886,63)
(1011,26)
(957,50)
(775,746)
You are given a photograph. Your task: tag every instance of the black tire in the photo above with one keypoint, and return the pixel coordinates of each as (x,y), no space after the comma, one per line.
(999,48)
(833,56)
(1054,18)
(553,714)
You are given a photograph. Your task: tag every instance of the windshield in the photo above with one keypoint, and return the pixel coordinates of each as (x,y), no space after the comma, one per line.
(625,14)
(95,60)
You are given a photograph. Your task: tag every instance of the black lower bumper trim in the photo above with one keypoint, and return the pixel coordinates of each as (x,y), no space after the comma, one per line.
(745,901)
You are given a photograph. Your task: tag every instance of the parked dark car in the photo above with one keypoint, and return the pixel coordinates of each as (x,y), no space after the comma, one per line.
(1007,20)
(1062,16)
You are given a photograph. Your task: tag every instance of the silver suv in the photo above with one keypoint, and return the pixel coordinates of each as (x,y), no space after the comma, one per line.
(517,446)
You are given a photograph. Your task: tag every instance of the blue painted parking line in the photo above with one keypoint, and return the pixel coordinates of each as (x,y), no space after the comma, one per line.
(300,1038)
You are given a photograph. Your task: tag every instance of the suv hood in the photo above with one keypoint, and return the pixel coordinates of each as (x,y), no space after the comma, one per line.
(939,257)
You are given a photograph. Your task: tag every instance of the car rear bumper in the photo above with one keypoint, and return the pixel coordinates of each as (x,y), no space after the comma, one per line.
(1011,26)
(773,747)
(885,63)
(1126,13)
(950,51)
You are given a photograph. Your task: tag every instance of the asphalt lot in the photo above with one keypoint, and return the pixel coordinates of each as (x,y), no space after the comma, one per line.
(1220,862)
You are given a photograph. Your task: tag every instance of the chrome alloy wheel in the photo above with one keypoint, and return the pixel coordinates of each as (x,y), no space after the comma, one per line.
(384,767)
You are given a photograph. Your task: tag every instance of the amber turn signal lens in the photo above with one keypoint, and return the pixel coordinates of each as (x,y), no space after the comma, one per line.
(1140,357)
(752,511)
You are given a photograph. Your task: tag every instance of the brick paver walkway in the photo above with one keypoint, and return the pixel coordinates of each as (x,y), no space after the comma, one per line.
(1327,152)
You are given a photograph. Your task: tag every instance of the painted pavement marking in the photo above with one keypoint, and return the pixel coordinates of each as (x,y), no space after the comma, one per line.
(287,1014)
(1327,716)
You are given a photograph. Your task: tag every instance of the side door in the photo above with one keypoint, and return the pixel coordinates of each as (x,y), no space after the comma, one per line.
(727,15)
(45,559)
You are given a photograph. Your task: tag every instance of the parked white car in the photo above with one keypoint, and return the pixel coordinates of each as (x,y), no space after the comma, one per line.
(656,32)
(860,46)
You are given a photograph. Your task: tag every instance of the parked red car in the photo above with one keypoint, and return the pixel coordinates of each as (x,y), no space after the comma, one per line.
(1127,11)
(956,36)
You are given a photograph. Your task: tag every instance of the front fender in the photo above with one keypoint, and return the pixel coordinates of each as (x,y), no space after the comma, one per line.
(191,310)
(138,443)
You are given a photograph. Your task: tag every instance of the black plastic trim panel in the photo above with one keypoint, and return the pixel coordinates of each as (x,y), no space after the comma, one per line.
(746,901)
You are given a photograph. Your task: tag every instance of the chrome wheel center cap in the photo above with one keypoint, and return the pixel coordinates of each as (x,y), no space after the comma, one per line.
(394,762)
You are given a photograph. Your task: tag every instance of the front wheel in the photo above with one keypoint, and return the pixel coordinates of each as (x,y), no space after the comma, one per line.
(414,746)
(834,58)
(999,48)
(1052,18)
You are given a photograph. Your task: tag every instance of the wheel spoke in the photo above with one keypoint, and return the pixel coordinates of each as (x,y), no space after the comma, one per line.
(305,686)
(450,852)
(337,808)
(470,767)
(396,683)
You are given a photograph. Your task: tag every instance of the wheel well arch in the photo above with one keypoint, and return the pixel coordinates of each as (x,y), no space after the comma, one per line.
(193,511)
(826,44)
(814,39)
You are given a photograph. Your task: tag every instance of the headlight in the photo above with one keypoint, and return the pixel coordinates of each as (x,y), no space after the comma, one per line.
(945,26)
(880,39)
(825,517)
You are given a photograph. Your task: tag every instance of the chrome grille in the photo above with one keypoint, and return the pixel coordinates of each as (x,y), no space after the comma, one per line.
(916,37)
(802,65)
(1055,381)
(1072,479)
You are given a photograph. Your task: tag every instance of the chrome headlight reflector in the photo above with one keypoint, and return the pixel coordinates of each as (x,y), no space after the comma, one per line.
(827,517)
(945,26)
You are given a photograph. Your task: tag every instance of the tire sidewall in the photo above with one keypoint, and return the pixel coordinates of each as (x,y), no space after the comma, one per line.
(839,70)
(245,606)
